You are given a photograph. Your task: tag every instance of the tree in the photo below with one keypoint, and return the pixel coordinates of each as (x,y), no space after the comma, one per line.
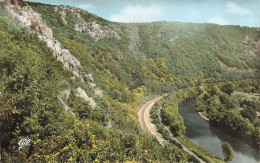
(224,98)
(227,151)
(249,113)
(228,88)
(161,64)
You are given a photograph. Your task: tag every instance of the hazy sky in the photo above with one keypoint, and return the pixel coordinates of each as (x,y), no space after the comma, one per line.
(223,12)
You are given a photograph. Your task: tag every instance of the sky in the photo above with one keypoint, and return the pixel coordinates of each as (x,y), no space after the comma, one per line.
(222,12)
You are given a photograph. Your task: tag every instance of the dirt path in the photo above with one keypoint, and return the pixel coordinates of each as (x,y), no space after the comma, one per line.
(145,122)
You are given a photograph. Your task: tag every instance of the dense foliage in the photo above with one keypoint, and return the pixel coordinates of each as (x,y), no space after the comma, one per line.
(156,119)
(223,107)
(161,128)
(149,58)
(221,103)
(30,83)
(169,112)
(189,48)
(227,151)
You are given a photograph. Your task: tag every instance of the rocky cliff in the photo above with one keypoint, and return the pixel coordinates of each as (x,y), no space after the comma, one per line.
(15,2)
(93,28)
(28,18)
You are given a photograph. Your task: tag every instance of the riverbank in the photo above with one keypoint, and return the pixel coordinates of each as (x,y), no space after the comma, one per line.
(202,115)
(175,125)
(210,137)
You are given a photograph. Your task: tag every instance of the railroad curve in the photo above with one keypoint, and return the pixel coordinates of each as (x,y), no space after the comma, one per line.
(145,122)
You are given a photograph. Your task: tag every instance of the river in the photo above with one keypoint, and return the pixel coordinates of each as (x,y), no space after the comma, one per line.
(211,137)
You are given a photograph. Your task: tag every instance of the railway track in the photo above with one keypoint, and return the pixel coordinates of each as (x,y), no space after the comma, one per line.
(145,122)
(144,118)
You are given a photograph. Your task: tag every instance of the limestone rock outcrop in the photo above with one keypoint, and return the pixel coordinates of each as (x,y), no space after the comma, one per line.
(90,81)
(81,93)
(15,2)
(30,19)
(64,95)
(94,29)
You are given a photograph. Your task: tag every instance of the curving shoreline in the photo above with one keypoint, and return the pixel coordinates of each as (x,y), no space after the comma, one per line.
(146,124)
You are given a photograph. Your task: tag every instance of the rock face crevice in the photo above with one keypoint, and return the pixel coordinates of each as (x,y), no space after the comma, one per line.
(28,18)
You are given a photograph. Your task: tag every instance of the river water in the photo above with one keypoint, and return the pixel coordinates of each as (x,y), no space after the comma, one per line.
(211,137)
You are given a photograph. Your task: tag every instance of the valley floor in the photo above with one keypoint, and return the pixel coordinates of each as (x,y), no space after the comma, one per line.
(145,121)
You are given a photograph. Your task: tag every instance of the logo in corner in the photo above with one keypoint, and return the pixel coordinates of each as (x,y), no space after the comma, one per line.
(24,142)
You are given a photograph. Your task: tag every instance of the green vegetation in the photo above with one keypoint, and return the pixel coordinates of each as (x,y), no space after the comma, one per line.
(154,58)
(215,101)
(227,151)
(169,112)
(189,48)
(154,113)
(30,108)
(84,111)
(201,152)
(159,71)
(198,150)
(228,88)
(176,125)
(88,17)
(253,63)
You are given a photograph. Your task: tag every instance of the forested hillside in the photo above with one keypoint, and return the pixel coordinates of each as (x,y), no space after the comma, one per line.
(64,57)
